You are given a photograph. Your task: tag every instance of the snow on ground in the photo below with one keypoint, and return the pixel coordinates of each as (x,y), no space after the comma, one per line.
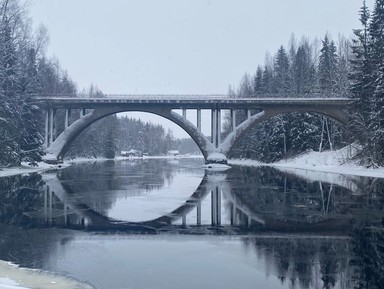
(26,169)
(41,167)
(336,162)
(15,277)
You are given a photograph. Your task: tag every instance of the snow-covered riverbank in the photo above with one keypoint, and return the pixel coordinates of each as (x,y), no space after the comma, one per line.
(41,167)
(26,169)
(14,277)
(337,162)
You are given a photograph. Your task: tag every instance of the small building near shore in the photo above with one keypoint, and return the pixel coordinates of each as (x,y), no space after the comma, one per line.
(131,153)
(173,153)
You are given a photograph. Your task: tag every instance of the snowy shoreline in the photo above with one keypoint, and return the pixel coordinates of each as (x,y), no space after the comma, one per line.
(42,166)
(335,162)
(26,169)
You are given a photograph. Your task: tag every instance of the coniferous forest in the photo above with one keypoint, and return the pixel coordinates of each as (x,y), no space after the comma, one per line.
(306,67)
(321,68)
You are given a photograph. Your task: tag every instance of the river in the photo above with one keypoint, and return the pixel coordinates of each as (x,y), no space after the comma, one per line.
(168,223)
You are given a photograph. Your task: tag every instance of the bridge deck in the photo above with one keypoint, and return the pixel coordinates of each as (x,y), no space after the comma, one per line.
(187,102)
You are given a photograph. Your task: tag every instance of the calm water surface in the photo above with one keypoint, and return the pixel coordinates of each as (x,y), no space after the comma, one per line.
(170,224)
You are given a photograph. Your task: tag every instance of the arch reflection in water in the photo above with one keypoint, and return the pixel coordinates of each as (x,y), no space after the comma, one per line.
(158,194)
(253,200)
(213,197)
(268,200)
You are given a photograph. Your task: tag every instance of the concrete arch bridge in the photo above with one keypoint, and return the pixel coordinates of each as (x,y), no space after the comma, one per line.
(213,148)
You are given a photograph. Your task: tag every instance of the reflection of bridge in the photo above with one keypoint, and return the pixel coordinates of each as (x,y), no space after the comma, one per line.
(257,110)
(60,203)
(61,207)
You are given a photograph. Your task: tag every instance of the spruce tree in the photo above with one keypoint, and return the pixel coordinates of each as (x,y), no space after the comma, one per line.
(376,123)
(361,79)
(303,71)
(327,71)
(267,80)
(258,81)
(282,79)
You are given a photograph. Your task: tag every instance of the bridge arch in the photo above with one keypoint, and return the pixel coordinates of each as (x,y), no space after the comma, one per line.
(268,112)
(61,144)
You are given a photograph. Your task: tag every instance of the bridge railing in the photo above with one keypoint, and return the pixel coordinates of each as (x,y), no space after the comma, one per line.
(279,96)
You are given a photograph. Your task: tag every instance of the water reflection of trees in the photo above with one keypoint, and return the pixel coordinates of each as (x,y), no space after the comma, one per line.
(368,250)
(324,262)
(18,194)
(289,198)
(306,262)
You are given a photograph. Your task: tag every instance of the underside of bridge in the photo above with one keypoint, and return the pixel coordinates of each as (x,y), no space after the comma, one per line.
(213,148)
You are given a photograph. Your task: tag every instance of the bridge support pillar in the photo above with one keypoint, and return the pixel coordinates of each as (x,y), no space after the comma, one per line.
(67,117)
(184,220)
(218,196)
(46,141)
(184,113)
(66,220)
(198,211)
(213,127)
(52,126)
(233,212)
(216,127)
(233,119)
(198,115)
(213,208)
(216,206)
(46,203)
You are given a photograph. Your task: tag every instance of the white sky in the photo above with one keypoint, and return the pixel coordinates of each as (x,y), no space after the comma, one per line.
(180,46)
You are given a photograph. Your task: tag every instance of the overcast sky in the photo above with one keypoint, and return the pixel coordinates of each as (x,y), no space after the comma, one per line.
(180,46)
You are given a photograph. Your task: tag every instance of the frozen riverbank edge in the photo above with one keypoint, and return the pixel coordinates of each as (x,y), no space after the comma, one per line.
(15,277)
(42,166)
(336,162)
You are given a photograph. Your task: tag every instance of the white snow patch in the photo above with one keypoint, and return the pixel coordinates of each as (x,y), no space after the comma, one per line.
(26,169)
(7,283)
(216,156)
(15,277)
(337,162)
(42,166)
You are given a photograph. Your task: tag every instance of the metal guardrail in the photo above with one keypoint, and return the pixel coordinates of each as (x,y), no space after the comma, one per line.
(194,96)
